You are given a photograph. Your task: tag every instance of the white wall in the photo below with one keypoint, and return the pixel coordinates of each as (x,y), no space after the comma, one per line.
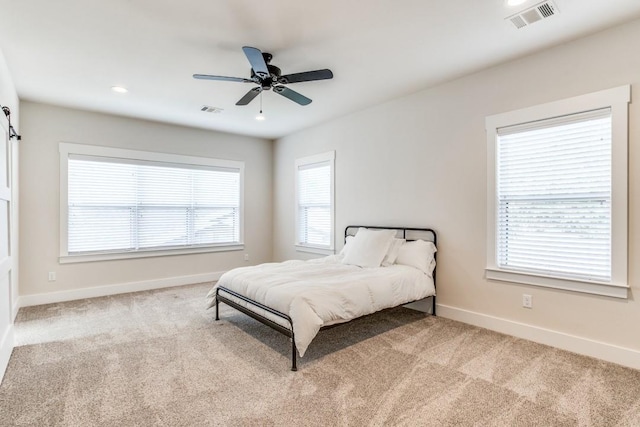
(421,160)
(43,127)
(9,289)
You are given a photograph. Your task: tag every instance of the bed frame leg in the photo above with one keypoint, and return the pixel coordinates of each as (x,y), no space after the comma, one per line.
(433,303)
(293,355)
(217,303)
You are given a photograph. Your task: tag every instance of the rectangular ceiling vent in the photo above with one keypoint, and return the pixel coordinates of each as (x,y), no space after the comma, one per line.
(533,14)
(210,109)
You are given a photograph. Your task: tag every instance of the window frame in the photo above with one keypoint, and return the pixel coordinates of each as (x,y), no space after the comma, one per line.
(306,161)
(66,149)
(617,99)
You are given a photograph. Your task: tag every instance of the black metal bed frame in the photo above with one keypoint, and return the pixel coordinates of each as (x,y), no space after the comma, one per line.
(348,231)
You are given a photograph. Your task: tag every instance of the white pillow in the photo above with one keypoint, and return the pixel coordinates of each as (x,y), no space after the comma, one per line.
(368,247)
(348,242)
(418,254)
(392,253)
(432,267)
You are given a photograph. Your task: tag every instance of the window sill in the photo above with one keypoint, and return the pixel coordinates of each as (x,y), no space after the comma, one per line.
(315,250)
(70,259)
(588,287)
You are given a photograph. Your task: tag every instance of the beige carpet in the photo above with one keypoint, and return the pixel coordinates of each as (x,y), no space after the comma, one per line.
(158,358)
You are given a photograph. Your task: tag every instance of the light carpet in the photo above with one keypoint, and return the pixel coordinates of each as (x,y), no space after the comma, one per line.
(158,358)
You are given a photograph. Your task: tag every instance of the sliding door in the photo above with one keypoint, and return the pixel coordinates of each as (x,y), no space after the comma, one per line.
(6,296)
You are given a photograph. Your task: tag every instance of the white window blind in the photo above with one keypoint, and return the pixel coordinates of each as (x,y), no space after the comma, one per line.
(315,201)
(554,196)
(120,205)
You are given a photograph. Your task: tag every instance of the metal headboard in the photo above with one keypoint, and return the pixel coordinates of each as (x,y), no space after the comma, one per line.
(406,233)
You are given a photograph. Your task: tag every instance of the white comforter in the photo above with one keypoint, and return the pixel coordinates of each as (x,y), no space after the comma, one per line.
(324,291)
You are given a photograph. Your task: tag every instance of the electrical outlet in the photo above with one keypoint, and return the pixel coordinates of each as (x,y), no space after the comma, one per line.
(246,257)
(52,276)
(527,301)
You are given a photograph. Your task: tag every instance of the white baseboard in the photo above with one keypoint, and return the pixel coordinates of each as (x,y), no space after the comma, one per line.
(121,288)
(6,347)
(600,350)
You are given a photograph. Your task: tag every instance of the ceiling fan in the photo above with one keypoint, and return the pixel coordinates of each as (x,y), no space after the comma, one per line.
(268,76)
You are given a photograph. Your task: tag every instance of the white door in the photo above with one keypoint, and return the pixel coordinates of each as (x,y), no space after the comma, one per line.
(5,226)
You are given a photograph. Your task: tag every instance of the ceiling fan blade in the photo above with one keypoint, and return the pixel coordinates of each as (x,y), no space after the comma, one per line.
(249,96)
(222,78)
(292,95)
(307,76)
(257,61)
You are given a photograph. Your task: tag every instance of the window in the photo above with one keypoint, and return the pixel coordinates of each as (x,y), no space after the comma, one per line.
(557,194)
(314,203)
(121,203)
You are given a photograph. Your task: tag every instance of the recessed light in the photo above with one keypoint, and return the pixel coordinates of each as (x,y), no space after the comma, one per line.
(515,2)
(260,117)
(119,89)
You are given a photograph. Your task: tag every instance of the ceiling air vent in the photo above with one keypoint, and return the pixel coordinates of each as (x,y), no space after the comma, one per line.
(533,14)
(209,109)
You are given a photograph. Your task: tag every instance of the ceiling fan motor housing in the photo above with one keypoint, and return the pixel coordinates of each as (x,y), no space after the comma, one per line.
(274,74)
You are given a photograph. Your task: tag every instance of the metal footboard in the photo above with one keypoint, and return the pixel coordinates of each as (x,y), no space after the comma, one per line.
(282,329)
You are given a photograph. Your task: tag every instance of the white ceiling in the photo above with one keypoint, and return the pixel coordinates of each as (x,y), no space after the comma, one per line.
(70,52)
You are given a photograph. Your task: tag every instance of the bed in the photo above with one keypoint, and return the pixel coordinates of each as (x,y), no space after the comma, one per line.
(379,268)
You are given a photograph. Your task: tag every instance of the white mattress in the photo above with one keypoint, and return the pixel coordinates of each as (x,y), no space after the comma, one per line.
(323,291)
